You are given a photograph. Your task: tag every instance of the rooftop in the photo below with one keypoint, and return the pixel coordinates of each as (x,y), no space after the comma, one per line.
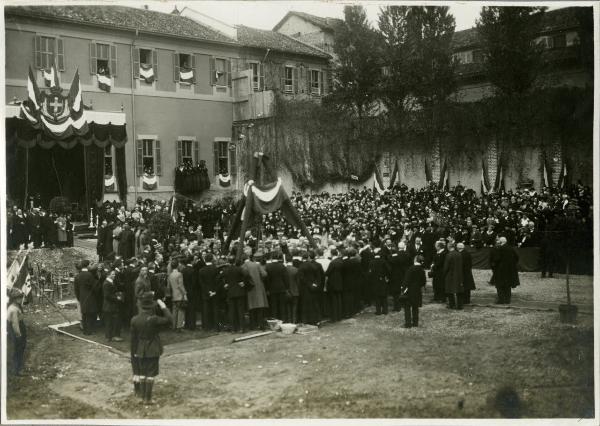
(325,23)
(120,17)
(265,39)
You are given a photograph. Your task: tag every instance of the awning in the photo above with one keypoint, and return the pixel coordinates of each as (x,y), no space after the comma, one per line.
(102,129)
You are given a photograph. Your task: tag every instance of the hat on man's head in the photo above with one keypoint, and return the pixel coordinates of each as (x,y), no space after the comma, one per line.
(146,300)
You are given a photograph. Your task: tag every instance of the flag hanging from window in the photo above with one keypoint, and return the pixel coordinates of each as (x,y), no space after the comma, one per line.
(147,73)
(109,183)
(225,180)
(149,183)
(104,80)
(186,76)
(48,76)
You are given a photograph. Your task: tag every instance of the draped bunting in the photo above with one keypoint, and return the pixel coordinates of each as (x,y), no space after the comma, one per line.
(443,183)
(485,182)
(147,73)
(109,184)
(378,181)
(186,76)
(395,174)
(149,183)
(94,173)
(104,81)
(224,181)
(121,172)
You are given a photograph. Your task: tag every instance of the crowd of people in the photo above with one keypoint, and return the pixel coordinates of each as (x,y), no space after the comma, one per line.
(370,249)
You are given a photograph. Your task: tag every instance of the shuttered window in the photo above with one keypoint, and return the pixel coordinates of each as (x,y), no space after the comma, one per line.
(220,72)
(221,157)
(103,57)
(187,150)
(49,51)
(287,80)
(316,82)
(148,157)
(183,63)
(147,58)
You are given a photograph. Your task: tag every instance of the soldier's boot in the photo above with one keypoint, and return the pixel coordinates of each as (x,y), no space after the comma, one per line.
(136,386)
(148,391)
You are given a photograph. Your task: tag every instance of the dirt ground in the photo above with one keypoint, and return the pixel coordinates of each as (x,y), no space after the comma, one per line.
(452,366)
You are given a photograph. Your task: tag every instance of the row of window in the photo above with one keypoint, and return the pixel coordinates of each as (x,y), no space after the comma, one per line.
(103,60)
(557,41)
(188,153)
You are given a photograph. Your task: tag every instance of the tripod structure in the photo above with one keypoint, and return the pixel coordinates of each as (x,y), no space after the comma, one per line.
(259,199)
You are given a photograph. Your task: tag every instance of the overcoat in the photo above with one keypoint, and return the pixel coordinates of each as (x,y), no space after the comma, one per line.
(111,302)
(414,280)
(85,291)
(145,341)
(467,263)
(310,284)
(255,274)
(453,272)
(334,274)
(399,263)
(233,277)
(277,280)
(504,260)
(437,269)
(379,275)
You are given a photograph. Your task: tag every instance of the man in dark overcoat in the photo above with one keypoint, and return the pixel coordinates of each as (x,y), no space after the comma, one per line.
(437,272)
(207,279)
(399,263)
(191,284)
(453,277)
(277,284)
(379,275)
(414,282)
(468,280)
(352,277)
(127,242)
(310,284)
(85,291)
(506,274)
(335,285)
(233,281)
(111,306)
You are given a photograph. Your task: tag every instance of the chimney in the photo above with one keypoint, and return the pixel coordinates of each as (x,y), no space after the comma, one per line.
(146,7)
(175,11)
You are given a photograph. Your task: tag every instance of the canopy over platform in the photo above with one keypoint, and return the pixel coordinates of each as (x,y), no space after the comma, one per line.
(96,127)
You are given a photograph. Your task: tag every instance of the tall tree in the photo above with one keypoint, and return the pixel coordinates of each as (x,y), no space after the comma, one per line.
(513,57)
(359,68)
(395,82)
(430,34)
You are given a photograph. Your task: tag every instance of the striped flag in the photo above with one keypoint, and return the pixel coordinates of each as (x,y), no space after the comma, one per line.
(186,76)
(378,182)
(48,76)
(485,181)
(147,73)
(395,174)
(562,178)
(33,91)
(104,80)
(443,183)
(547,178)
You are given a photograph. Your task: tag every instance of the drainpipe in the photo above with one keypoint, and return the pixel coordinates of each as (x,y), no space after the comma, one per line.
(135,165)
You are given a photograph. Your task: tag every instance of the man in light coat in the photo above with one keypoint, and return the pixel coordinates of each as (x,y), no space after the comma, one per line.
(255,275)
(178,295)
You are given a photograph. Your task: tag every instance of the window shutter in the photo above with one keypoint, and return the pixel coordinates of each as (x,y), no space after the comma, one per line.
(179,152)
(196,152)
(176,67)
(193,65)
(232,162)
(113,60)
(229,72)
(93,57)
(158,167)
(295,79)
(321,80)
(136,62)
(140,160)
(216,157)
(308,81)
(213,69)
(261,78)
(282,71)
(155,64)
(60,54)
(37,49)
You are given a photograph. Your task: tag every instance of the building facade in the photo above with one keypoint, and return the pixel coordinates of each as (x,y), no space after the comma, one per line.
(170,75)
